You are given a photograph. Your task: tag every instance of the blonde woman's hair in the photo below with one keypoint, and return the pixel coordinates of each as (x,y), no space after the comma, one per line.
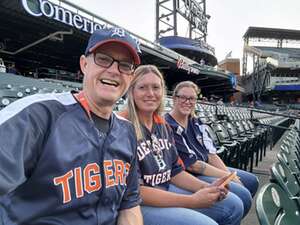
(188,84)
(131,106)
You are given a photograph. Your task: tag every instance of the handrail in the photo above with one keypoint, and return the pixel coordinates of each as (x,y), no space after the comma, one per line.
(274,113)
(274,126)
(53,35)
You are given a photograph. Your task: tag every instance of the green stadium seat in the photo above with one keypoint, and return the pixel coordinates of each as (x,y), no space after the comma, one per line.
(6,86)
(281,174)
(273,207)
(4,102)
(10,93)
(290,160)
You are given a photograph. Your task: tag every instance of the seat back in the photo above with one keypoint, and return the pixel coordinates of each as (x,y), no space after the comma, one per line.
(203,118)
(283,176)
(213,135)
(232,131)
(273,207)
(221,132)
(288,160)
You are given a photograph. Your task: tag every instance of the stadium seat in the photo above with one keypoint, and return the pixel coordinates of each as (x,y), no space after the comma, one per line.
(281,174)
(222,151)
(290,161)
(233,155)
(244,142)
(8,96)
(203,118)
(273,207)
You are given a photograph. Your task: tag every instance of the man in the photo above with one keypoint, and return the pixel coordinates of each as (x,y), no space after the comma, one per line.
(12,69)
(66,158)
(2,66)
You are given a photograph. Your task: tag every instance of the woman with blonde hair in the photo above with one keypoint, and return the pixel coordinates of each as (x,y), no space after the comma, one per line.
(196,148)
(169,194)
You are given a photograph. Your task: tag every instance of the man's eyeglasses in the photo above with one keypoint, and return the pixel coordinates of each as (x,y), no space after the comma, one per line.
(106,61)
(183,98)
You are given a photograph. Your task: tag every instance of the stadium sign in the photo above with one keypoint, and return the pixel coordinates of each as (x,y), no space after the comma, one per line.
(182,64)
(193,13)
(40,8)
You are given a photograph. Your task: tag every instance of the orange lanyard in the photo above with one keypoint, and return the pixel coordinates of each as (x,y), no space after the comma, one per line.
(83,102)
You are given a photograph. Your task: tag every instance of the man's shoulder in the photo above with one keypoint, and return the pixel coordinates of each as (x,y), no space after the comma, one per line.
(122,115)
(38,104)
(122,120)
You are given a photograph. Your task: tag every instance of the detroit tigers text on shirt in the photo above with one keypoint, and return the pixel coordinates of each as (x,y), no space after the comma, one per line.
(143,148)
(88,179)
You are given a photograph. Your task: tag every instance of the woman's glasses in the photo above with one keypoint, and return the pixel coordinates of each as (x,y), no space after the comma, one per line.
(183,98)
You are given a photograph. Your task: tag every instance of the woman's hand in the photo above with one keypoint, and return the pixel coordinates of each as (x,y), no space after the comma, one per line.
(223,189)
(205,197)
(237,180)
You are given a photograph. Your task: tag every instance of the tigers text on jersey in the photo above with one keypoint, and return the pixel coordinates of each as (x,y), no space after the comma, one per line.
(157,156)
(192,143)
(57,168)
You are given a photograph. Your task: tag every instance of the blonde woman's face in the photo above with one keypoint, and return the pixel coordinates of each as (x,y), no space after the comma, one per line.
(147,93)
(185,101)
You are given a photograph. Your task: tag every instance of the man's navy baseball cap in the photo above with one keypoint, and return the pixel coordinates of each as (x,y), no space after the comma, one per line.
(114,35)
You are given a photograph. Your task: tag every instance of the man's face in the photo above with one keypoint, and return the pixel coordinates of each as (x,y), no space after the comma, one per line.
(104,86)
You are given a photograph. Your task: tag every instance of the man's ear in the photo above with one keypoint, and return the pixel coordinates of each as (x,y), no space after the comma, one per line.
(83,63)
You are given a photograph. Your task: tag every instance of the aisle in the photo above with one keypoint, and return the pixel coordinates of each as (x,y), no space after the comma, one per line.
(263,172)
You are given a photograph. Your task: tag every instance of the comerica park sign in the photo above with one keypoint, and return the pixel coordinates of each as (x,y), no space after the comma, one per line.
(48,9)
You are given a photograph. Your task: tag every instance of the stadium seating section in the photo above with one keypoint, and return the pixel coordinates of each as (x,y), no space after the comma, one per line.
(44,72)
(278,202)
(240,135)
(14,87)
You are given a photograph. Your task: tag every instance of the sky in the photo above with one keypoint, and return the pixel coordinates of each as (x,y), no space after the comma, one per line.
(229,18)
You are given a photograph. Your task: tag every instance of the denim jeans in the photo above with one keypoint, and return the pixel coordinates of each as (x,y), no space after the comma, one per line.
(237,189)
(249,180)
(226,212)
(174,216)
(246,192)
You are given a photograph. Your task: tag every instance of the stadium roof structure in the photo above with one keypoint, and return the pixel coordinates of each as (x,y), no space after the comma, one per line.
(275,68)
(272,33)
(190,47)
(54,34)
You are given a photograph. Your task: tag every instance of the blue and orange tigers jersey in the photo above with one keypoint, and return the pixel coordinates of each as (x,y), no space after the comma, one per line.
(157,155)
(56,167)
